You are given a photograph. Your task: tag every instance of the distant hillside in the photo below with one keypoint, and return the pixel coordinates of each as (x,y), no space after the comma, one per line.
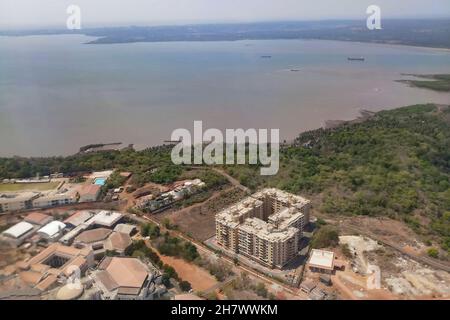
(424,32)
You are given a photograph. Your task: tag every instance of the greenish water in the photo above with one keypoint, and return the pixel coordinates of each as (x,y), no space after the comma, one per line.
(57,94)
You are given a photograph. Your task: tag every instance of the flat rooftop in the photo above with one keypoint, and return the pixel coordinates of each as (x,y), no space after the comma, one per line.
(266,230)
(283,196)
(37,218)
(79,217)
(321,259)
(232,215)
(100,174)
(277,226)
(7,197)
(285,217)
(89,189)
(105,218)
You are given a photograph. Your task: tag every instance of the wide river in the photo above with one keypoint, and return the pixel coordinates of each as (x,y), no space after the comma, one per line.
(57,93)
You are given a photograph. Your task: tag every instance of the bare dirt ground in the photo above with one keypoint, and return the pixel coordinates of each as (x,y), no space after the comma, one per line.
(384,228)
(351,287)
(245,295)
(391,233)
(197,220)
(417,281)
(401,277)
(388,229)
(129,199)
(16,289)
(199,278)
(8,255)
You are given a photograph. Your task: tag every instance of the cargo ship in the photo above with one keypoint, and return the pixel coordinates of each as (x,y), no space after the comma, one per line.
(356,59)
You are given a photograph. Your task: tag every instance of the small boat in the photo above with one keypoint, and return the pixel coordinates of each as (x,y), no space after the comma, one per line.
(266,57)
(356,59)
(295,70)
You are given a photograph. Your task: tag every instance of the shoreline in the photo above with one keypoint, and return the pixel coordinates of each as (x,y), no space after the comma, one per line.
(328,124)
(364,115)
(443,49)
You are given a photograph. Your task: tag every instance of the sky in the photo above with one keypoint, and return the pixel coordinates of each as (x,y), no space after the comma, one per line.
(52,13)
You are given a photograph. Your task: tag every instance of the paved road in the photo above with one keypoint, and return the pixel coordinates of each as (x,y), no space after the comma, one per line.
(232,180)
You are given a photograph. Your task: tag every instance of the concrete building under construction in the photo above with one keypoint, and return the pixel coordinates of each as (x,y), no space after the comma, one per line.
(265,227)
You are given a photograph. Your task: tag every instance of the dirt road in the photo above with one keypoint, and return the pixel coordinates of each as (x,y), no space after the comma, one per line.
(230,179)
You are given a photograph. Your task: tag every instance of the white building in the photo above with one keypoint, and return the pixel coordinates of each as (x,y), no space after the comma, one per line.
(78,218)
(55,198)
(128,229)
(17,201)
(180,191)
(321,261)
(52,231)
(105,219)
(18,233)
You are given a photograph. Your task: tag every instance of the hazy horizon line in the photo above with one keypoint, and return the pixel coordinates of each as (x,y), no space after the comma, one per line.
(203,22)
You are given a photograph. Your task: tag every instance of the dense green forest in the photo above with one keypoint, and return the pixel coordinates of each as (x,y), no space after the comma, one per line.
(395,164)
(152,164)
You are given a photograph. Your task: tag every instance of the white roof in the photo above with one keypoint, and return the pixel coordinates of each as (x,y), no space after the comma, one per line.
(53,228)
(18,230)
(73,233)
(79,217)
(101,174)
(105,218)
(125,228)
(9,197)
(322,258)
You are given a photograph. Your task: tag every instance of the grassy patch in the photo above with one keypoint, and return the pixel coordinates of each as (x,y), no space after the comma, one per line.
(13,187)
(437,82)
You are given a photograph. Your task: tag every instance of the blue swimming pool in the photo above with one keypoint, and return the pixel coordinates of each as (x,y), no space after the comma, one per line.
(100,181)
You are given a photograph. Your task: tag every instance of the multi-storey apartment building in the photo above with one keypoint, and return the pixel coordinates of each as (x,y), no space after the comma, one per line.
(265,227)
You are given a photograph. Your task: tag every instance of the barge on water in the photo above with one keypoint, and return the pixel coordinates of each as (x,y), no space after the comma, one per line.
(356,58)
